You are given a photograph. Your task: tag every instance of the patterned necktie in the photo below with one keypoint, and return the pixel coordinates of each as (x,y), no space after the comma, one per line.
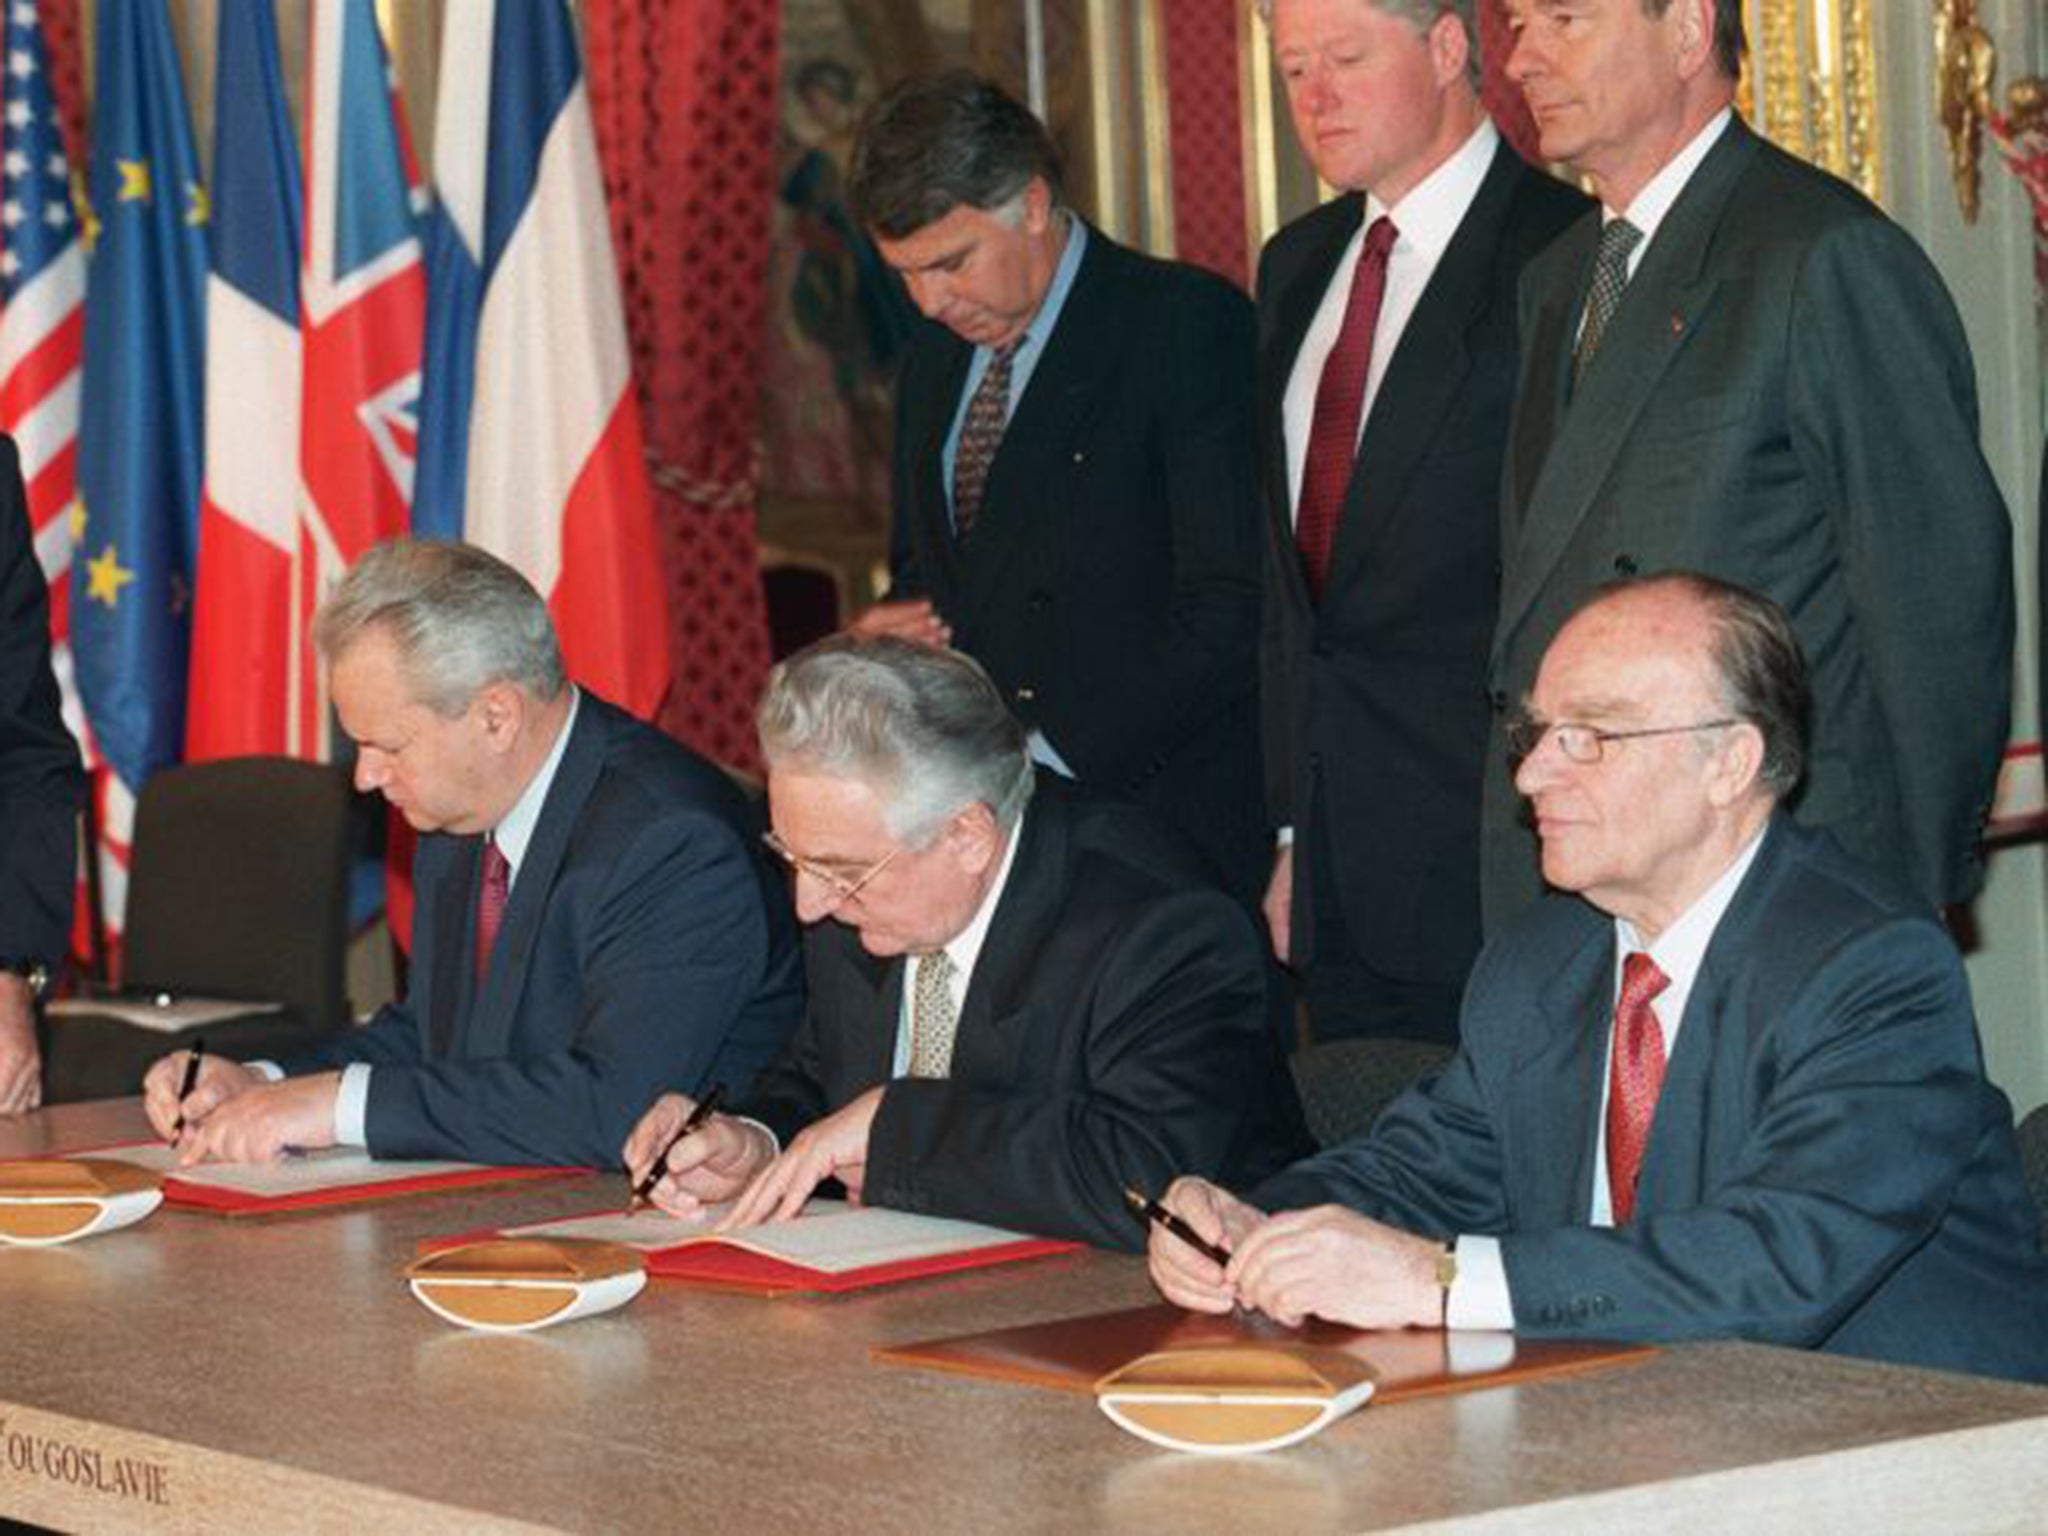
(933,1017)
(981,433)
(1340,400)
(1635,1076)
(1618,238)
(492,890)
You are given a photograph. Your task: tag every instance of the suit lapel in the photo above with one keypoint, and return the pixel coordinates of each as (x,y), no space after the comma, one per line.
(985,1047)
(1296,298)
(1427,372)
(1085,342)
(928,496)
(1661,310)
(452,904)
(490,1025)
(1556,1088)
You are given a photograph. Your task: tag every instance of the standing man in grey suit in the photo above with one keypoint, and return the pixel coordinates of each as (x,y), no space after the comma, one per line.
(1076,498)
(1724,1084)
(1386,364)
(1742,367)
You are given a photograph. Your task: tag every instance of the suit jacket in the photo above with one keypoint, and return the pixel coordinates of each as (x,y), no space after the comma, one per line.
(41,784)
(646,946)
(1375,705)
(1110,586)
(1783,399)
(1113,1033)
(1828,1167)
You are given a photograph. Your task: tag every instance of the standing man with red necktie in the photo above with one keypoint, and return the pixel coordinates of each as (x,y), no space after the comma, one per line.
(1074,484)
(1723,1083)
(1386,365)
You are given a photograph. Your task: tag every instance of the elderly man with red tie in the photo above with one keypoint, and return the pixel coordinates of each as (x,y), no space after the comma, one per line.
(1724,1082)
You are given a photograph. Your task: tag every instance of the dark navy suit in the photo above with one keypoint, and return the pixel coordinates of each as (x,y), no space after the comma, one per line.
(1828,1167)
(646,948)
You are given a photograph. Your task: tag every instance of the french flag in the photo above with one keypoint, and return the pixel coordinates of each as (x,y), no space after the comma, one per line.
(242,637)
(530,438)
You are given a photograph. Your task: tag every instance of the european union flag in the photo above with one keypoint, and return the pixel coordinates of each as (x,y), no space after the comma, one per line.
(139,430)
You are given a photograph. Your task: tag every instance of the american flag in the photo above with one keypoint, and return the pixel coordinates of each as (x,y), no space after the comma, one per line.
(42,317)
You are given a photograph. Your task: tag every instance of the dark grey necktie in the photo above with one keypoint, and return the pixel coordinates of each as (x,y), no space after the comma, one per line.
(1610,275)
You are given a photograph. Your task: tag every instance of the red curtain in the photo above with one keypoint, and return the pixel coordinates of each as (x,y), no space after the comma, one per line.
(684,101)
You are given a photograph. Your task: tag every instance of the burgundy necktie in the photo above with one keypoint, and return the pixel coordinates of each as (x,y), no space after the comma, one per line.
(981,433)
(1635,1076)
(491,892)
(1340,400)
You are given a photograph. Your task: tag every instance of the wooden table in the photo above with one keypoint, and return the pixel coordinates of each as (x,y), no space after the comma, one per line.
(194,1373)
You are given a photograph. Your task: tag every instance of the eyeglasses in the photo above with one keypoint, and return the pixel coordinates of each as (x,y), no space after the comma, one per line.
(839,887)
(1588,743)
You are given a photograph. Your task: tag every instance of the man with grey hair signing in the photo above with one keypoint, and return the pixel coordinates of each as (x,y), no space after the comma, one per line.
(1724,1083)
(1020,1002)
(594,921)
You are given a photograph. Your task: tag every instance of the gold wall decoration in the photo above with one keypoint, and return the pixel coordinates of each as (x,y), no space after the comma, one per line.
(2021,134)
(1810,84)
(1965,62)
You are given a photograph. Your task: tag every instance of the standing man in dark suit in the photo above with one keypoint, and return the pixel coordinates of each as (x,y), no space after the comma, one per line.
(40,790)
(1386,365)
(1019,1002)
(1742,367)
(1729,1086)
(595,923)
(1075,497)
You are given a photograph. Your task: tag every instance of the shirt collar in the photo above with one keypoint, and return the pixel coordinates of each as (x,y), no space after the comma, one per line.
(1056,292)
(964,948)
(1429,215)
(1647,211)
(515,830)
(1681,947)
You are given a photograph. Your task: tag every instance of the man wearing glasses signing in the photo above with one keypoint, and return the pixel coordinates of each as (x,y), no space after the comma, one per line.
(1723,1083)
(1020,1001)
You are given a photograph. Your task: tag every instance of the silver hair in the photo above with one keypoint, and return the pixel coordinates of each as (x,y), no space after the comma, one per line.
(460,619)
(1421,15)
(924,729)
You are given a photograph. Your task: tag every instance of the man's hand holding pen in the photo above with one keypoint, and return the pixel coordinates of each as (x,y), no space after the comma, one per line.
(707,1167)
(1184,1274)
(183,1088)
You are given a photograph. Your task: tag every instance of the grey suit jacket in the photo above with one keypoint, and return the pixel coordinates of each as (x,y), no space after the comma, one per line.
(1828,1167)
(1784,399)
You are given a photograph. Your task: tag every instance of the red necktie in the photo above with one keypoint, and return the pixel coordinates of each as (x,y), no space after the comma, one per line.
(491,893)
(1635,1076)
(1340,401)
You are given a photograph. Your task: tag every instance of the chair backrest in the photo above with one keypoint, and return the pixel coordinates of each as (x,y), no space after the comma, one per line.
(238,885)
(2034,1162)
(1346,1083)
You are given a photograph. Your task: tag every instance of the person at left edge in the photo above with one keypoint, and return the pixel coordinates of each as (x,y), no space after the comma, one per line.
(1021,998)
(642,942)
(1105,570)
(40,789)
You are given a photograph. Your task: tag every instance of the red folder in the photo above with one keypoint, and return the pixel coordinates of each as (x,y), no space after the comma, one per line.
(235,1202)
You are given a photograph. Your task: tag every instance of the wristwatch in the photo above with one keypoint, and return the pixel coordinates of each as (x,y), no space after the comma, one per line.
(35,973)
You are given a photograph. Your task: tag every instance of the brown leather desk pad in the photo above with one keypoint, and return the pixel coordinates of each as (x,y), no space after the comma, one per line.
(1072,1354)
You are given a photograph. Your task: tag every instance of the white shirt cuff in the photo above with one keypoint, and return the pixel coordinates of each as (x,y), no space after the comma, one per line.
(1283,837)
(352,1106)
(1479,1296)
(269,1071)
(774,1141)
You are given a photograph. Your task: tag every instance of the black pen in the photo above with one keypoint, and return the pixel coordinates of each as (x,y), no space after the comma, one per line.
(706,1108)
(185,1088)
(1151,1210)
